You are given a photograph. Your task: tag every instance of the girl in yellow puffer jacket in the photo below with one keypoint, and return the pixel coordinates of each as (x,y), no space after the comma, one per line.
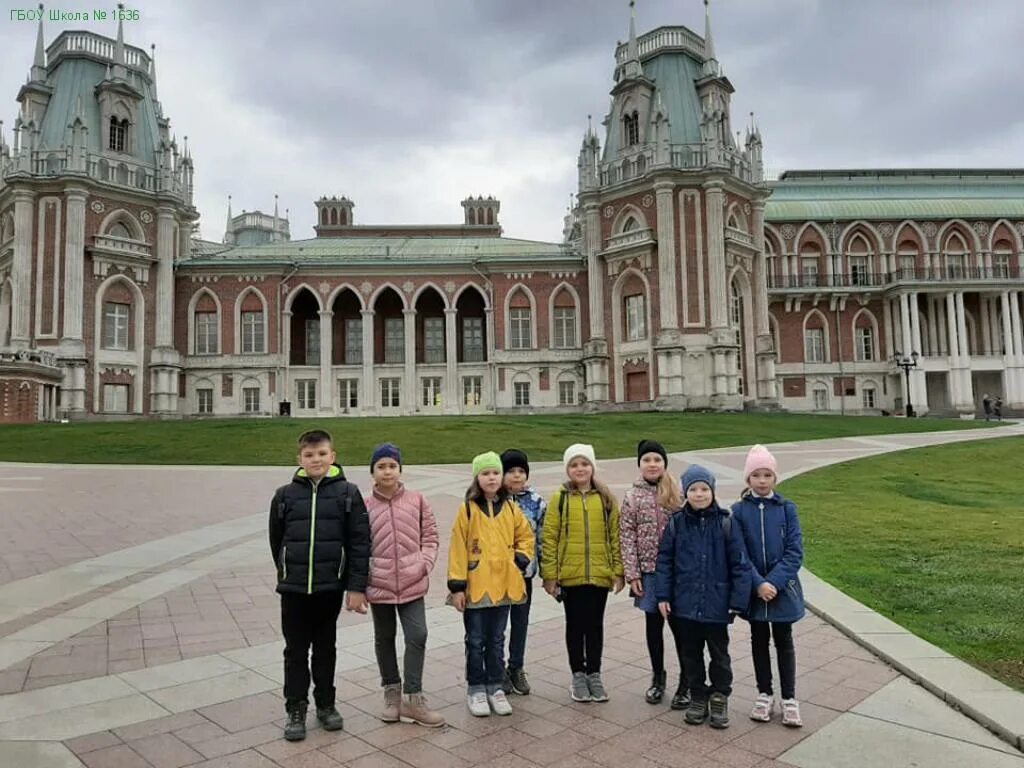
(581,560)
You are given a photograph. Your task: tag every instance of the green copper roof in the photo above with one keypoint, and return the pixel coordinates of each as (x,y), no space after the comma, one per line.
(392,251)
(894,194)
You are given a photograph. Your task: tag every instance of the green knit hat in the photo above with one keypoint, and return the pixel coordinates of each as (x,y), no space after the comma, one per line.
(489,460)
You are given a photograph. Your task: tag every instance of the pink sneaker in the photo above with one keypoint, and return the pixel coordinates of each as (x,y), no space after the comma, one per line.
(791,713)
(762,711)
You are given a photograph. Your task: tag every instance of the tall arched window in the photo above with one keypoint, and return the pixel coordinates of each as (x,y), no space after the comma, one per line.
(118,135)
(631,129)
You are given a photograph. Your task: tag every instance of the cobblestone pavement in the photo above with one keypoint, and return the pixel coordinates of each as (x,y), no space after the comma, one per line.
(139,628)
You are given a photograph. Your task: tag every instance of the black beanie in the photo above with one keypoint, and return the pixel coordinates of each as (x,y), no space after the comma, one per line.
(650,446)
(515,458)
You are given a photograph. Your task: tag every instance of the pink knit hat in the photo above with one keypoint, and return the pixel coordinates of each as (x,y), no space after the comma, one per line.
(759,458)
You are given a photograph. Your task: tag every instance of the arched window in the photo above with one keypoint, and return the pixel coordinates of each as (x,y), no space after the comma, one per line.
(490,216)
(520,321)
(334,216)
(630,225)
(323,216)
(119,229)
(118,135)
(631,129)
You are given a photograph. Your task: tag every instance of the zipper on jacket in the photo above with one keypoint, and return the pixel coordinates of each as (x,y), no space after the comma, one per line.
(764,553)
(394,532)
(586,539)
(312,541)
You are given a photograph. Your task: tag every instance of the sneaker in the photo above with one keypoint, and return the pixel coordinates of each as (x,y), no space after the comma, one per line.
(330,718)
(596,687)
(518,681)
(762,711)
(791,713)
(477,703)
(499,703)
(696,713)
(414,710)
(579,690)
(295,728)
(654,694)
(392,703)
(719,717)
(506,681)
(681,699)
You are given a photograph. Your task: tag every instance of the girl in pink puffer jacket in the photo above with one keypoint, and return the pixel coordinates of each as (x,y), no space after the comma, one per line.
(403,551)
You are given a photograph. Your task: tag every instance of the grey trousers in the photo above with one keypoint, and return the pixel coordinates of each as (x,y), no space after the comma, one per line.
(414,627)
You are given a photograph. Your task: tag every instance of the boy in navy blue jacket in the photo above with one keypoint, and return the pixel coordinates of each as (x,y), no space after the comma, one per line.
(702,581)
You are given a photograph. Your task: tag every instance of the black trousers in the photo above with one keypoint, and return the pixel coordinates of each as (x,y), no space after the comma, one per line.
(696,635)
(655,629)
(760,634)
(584,626)
(310,621)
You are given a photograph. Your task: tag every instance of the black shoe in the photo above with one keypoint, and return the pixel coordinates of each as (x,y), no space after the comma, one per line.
(681,699)
(330,718)
(506,682)
(696,713)
(719,711)
(295,728)
(655,693)
(518,682)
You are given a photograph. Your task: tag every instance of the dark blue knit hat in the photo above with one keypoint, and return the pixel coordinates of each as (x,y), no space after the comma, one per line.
(695,473)
(386,451)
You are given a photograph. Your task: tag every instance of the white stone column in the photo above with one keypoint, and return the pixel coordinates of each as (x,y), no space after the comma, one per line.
(887,321)
(918,378)
(165,277)
(1018,342)
(369,393)
(1008,335)
(74,269)
(284,391)
(963,342)
(21,270)
(717,288)
(933,335)
(411,402)
(668,312)
(965,388)
(764,352)
(951,325)
(325,400)
(452,401)
(986,326)
(906,338)
(915,324)
(595,278)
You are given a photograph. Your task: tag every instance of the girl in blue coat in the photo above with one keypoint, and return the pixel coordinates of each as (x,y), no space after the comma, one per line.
(771,533)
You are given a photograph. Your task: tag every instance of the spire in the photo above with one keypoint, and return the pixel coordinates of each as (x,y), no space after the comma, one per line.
(39,61)
(152,68)
(120,71)
(273,231)
(711,67)
(632,67)
(229,235)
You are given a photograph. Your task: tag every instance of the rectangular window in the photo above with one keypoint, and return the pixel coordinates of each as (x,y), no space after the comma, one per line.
(431,388)
(204,400)
(521,390)
(389,393)
(809,271)
(636,318)
(348,393)
(472,339)
(253,333)
(472,389)
(1001,265)
(908,265)
(394,340)
(433,340)
(564,332)
(115,398)
(118,134)
(865,344)
(567,393)
(206,333)
(859,270)
(520,336)
(868,397)
(115,325)
(305,391)
(814,345)
(955,263)
(312,341)
(820,400)
(353,341)
(251,399)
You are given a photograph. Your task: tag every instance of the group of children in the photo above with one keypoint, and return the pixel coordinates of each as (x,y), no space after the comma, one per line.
(688,562)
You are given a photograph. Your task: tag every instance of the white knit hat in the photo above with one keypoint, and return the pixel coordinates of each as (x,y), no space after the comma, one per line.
(577,450)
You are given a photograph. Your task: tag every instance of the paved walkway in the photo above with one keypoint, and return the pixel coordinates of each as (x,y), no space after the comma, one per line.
(139,629)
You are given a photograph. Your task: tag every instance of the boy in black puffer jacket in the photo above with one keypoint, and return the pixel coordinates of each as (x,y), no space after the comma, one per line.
(320,541)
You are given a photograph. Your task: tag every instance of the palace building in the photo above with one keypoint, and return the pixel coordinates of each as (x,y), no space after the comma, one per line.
(685,279)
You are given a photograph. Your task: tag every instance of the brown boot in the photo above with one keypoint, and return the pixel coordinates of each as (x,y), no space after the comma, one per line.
(392,703)
(414,710)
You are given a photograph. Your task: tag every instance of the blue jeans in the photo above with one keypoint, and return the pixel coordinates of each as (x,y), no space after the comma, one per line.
(519,621)
(485,647)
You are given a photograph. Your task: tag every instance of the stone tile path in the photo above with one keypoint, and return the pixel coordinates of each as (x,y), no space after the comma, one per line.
(138,627)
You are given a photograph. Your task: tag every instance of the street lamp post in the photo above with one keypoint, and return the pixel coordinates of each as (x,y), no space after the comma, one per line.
(906,362)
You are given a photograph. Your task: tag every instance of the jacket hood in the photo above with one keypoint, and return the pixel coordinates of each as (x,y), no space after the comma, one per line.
(334,473)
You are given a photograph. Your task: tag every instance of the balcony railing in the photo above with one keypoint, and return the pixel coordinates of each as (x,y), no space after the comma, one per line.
(876,280)
(681,156)
(739,236)
(633,237)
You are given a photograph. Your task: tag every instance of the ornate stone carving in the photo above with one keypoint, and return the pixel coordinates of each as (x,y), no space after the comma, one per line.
(746,208)
(449,287)
(981,228)
(324,288)
(366,288)
(788,232)
(408,286)
(609,211)
(930,228)
(886,229)
(98,206)
(146,217)
(1019,226)
(648,201)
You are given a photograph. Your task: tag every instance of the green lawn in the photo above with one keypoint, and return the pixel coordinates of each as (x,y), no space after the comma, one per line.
(425,440)
(932,538)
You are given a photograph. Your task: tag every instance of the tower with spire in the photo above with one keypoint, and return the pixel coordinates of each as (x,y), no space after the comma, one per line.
(667,216)
(100,201)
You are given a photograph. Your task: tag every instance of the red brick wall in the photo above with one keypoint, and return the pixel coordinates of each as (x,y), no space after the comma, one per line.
(19,401)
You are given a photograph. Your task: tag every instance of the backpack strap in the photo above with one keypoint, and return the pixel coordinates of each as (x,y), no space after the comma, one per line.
(727,524)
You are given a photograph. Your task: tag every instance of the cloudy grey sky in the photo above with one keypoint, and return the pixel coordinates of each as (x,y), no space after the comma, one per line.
(407,106)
